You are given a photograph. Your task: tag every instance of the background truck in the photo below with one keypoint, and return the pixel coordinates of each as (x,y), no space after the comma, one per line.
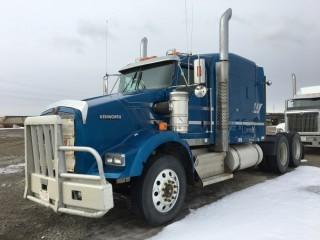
(302,115)
(177,119)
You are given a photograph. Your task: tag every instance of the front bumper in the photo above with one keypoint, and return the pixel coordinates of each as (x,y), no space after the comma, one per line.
(47,181)
(310,140)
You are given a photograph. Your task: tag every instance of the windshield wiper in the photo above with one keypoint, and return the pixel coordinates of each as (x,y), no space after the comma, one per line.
(139,80)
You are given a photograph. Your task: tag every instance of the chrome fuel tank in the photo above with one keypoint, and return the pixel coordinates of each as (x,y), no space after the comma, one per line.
(243,156)
(179,111)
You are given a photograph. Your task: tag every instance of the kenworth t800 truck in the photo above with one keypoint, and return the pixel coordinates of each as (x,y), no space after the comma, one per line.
(176,120)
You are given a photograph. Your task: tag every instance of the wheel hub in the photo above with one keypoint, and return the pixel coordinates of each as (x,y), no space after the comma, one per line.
(165,190)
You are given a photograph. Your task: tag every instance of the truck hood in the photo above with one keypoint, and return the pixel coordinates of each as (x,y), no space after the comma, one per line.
(112,119)
(105,122)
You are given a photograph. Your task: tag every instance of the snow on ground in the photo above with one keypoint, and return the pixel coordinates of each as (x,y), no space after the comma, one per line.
(6,129)
(287,207)
(12,168)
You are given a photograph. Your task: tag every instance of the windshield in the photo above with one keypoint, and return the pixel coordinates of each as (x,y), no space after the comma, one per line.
(155,76)
(304,103)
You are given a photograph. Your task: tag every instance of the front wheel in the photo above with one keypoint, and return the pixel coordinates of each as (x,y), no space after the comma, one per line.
(159,194)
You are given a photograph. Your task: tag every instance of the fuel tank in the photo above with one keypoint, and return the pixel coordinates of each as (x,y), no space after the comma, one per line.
(243,156)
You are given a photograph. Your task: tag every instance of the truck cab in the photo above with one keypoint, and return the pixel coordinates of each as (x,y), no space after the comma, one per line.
(302,115)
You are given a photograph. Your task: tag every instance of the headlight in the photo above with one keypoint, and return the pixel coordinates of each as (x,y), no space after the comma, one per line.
(68,140)
(115,159)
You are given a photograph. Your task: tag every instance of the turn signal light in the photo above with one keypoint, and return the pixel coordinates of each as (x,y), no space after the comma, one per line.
(163,126)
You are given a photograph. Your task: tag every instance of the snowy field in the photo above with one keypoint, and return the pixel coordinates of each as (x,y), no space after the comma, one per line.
(12,168)
(287,207)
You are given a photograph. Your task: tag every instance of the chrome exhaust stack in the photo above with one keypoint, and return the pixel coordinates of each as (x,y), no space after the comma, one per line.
(144,47)
(222,76)
(294,85)
(224,35)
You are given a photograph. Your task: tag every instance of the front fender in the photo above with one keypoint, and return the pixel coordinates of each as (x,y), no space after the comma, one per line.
(138,148)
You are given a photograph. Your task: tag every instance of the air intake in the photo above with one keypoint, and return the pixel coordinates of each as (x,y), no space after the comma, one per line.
(144,47)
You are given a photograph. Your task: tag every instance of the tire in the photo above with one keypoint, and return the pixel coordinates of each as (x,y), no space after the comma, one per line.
(296,149)
(279,162)
(159,194)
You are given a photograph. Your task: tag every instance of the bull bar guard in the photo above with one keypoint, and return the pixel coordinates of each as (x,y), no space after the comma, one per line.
(48,183)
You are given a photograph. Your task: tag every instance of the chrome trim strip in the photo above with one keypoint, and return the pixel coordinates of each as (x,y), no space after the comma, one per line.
(247,123)
(197,141)
(207,123)
(201,122)
(200,108)
(82,106)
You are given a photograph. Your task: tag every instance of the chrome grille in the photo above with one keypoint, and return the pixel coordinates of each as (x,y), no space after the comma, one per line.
(41,138)
(303,122)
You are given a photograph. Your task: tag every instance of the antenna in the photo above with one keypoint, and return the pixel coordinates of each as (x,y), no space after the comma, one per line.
(186,19)
(107,33)
(105,77)
(191,32)
(294,84)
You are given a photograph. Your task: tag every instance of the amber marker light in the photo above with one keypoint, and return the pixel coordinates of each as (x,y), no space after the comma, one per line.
(163,126)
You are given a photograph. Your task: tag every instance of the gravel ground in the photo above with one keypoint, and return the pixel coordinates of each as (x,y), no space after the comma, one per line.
(22,219)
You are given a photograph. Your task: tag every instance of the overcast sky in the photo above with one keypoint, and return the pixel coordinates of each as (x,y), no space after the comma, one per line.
(53,50)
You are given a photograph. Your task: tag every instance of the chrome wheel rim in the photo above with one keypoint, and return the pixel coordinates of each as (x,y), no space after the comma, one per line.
(283,154)
(165,190)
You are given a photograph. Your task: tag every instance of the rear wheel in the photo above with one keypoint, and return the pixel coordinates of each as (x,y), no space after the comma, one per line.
(279,162)
(159,194)
(296,149)
(276,153)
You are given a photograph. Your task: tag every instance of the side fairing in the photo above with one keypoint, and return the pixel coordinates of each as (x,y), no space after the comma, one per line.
(247,101)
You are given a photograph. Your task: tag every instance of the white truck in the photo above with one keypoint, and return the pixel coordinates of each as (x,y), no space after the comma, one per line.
(302,115)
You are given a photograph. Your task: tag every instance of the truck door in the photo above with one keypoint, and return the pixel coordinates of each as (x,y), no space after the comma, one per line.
(199,111)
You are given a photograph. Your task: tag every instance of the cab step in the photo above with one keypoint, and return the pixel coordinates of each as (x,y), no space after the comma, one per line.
(210,166)
(216,179)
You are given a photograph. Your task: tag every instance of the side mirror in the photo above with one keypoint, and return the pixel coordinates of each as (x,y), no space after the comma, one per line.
(199,71)
(269,82)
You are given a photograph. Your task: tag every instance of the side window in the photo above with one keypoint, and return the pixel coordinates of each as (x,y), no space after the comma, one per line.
(181,80)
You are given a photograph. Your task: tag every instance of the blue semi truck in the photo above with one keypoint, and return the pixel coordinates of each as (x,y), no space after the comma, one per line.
(175,120)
